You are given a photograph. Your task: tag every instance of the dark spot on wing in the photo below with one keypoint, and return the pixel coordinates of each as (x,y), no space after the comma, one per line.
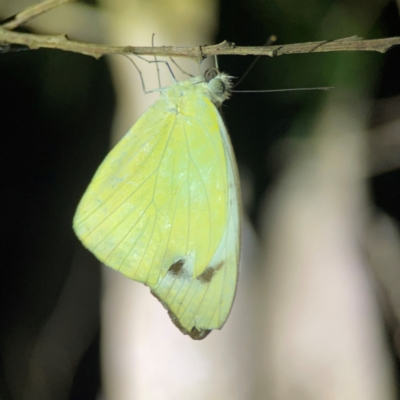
(196,334)
(209,273)
(176,269)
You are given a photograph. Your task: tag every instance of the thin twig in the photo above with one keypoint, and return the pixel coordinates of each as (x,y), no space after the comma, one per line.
(32,12)
(61,42)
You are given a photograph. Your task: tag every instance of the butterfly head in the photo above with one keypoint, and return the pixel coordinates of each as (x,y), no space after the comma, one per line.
(219,85)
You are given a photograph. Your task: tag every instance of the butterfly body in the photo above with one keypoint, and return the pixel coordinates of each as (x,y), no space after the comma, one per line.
(163,207)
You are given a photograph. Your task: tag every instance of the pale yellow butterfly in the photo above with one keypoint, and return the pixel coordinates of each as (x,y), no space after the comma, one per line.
(164,206)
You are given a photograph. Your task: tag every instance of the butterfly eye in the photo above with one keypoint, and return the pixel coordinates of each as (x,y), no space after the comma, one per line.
(210,73)
(217,86)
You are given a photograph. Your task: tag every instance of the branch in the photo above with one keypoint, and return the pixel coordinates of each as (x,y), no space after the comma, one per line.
(32,12)
(61,42)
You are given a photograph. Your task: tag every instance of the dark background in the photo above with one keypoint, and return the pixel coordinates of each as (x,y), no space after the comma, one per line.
(56,114)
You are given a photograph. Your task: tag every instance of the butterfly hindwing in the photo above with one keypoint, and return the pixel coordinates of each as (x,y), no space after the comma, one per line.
(204,303)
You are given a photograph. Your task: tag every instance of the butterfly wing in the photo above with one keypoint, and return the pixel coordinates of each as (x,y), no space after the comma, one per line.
(163,209)
(202,302)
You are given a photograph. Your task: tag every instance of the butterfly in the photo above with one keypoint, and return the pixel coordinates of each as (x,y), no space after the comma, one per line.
(164,207)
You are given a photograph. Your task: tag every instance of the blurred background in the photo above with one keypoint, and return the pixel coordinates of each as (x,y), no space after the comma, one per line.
(318,304)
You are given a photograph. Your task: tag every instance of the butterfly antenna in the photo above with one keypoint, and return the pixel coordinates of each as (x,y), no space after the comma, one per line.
(271,40)
(283,90)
